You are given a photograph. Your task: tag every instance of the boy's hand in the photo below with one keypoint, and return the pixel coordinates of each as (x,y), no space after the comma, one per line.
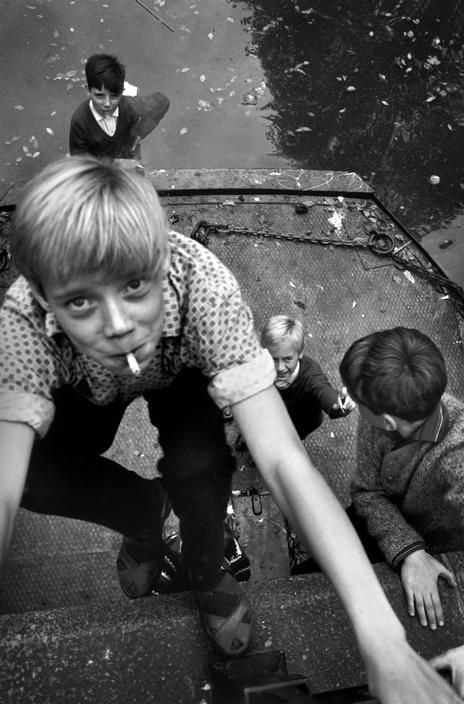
(345,403)
(398,675)
(453,661)
(419,575)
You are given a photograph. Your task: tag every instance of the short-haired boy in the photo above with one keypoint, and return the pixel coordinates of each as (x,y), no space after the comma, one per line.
(107,124)
(302,384)
(408,489)
(112,305)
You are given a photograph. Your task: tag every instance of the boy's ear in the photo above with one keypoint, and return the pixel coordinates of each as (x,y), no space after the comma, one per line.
(38,295)
(389,422)
(167,262)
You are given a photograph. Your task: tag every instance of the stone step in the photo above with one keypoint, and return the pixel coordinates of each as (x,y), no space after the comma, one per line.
(54,562)
(153,650)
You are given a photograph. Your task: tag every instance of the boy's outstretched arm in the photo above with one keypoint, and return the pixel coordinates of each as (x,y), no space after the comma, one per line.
(396,673)
(16,441)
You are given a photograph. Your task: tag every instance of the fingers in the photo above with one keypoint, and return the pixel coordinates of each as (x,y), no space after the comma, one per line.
(448,577)
(447,661)
(428,609)
(441,662)
(457,681)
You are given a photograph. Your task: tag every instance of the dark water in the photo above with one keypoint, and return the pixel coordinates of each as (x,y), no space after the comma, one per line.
(373,86)
(370,86)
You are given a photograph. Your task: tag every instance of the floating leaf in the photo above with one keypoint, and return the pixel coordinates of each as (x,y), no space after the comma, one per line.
(211,35)
(409,276)
(202,77)
(49,130)
(183,130)
(303,129)
(70,74)
(19,107)
(350,89)
(384,102)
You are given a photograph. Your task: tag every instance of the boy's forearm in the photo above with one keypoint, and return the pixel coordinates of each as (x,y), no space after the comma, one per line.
(322,524)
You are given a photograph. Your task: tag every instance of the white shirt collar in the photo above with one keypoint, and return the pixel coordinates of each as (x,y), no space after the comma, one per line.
(99,117)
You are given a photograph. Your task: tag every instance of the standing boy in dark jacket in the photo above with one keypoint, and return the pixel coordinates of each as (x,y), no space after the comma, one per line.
(108,124)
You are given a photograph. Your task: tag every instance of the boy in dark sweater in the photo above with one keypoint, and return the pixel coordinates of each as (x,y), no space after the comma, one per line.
(108,124)
(302,384)
(408,488)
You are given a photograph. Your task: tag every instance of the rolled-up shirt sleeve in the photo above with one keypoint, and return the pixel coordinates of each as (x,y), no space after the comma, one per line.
(27,364)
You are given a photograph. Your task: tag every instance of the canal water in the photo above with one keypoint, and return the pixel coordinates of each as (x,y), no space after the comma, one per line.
(372,86)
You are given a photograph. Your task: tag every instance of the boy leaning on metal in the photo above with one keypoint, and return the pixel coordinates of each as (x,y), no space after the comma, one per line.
(408,490)
(102,277)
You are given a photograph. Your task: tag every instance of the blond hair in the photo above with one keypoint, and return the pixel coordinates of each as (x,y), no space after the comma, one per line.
(80,216)
(281,327)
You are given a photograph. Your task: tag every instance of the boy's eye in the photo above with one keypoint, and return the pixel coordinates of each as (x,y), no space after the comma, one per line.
(78,304)
(136,285)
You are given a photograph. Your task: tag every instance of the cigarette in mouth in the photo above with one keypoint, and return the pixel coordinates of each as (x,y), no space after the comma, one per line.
(133,364)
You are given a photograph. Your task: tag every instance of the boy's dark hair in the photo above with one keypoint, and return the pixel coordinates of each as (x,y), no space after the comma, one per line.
(398,371)
(105,70)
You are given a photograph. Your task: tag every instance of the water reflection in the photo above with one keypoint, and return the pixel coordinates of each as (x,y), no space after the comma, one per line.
(371,86)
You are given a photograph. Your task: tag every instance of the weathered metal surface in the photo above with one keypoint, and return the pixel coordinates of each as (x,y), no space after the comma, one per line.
(257,180)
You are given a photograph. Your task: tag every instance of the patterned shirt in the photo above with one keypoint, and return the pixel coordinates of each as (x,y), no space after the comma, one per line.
(207,325)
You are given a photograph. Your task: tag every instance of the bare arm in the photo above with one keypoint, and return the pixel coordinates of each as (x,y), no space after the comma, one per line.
(396,674)
(16,443)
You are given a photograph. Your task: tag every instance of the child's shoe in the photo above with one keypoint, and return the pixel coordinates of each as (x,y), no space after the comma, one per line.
(237,561)
(137,579)
(173,577)
(226,616)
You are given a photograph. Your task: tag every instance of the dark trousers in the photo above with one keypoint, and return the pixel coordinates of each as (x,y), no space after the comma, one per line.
(68,477)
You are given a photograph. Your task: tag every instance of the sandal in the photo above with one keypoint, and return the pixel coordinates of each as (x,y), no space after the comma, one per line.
(226,616)
(137,579)
(237,561)
(173,577)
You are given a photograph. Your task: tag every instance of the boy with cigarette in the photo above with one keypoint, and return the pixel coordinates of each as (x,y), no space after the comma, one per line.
(408,490)
(103,278)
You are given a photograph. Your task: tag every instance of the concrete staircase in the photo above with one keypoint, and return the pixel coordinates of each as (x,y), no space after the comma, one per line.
(68,634)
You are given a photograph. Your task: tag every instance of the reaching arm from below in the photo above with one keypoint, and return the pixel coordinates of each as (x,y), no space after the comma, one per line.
(396,674)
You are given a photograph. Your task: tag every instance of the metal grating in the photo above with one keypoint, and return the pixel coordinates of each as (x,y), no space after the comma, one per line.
(338,293)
